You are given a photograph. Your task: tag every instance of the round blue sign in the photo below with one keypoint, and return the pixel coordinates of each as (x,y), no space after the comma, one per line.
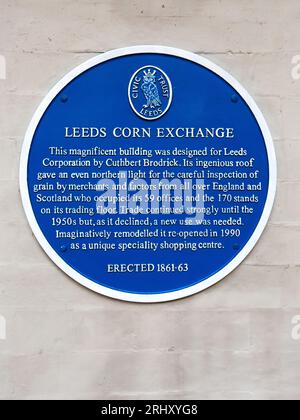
(148,174)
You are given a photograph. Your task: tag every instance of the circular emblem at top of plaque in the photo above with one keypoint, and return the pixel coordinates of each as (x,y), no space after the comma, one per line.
(150,92)
(139,195)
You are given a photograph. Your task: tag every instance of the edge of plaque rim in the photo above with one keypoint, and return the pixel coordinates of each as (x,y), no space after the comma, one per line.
(160,297)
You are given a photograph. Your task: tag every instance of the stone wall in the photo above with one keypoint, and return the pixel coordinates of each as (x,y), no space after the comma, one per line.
(235,340)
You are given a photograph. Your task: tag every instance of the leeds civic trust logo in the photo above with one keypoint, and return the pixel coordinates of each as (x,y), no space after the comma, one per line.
(150,92)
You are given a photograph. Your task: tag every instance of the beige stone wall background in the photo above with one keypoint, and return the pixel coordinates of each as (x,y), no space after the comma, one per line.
(232,341)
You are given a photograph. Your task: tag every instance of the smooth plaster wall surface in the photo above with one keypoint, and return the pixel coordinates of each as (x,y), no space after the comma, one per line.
(233,341)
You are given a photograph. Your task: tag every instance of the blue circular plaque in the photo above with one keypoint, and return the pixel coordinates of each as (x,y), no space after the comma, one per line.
(148,174)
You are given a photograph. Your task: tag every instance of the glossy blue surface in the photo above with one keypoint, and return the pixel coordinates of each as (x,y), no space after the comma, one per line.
(99,98)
